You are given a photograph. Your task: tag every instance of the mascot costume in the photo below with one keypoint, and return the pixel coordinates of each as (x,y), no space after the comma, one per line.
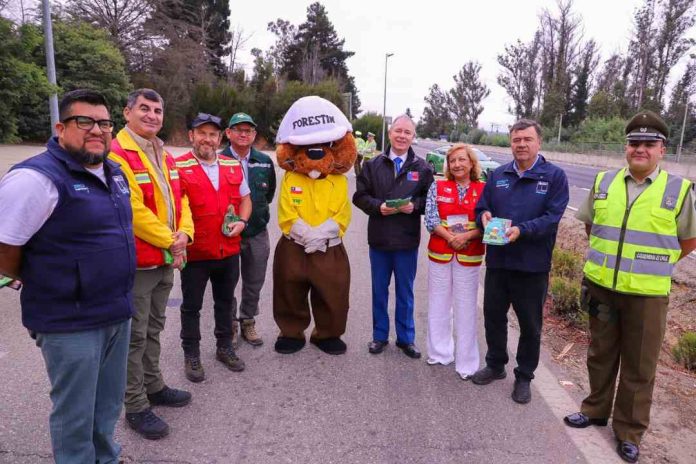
(315,146)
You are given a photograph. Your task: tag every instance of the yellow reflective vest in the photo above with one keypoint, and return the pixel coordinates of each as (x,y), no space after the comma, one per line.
(633,248)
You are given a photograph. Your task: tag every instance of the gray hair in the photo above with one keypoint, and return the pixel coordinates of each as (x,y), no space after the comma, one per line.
(523,124)
(147,94)
(403,116)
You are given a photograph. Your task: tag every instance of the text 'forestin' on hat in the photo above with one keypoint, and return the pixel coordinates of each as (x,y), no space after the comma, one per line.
(312,120)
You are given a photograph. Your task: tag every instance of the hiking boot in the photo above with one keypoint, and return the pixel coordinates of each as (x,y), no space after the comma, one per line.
(249,332)
(170,397)
(193,368)
(235,334)
(147,424)
(487,375)
(229,358)
(521,393)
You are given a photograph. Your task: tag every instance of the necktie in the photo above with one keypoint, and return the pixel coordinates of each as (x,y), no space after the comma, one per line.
(397,164)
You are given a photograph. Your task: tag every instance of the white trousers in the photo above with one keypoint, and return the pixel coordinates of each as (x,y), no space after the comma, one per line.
(453,309)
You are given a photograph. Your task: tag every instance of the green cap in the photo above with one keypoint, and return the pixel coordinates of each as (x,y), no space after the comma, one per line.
(646,125)
(239,118)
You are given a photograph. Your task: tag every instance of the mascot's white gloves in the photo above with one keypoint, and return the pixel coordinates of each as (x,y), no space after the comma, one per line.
(317,237)
(299,231)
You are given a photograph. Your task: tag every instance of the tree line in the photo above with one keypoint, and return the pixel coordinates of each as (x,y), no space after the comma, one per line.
(184,49)
(559,77)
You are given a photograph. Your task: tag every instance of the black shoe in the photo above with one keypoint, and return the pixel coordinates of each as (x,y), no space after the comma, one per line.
(376,346)
(579,421)
(285,345)
(330,345)
(147,424)
(193,368)
(522,393)
(487,375)
(170,397)
(229,358)
(628,451)
(409,350)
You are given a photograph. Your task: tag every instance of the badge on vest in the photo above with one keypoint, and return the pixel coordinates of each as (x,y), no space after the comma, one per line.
(296,190)
(81,188)
(121,184)
(600,196)
(412,176)
(502,184)
(652,257)
(448,189)
(542,187)
(444,199)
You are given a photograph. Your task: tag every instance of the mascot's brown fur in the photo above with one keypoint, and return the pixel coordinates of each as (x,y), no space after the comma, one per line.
(339,157)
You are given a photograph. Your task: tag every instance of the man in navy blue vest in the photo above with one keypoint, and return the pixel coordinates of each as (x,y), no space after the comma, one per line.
(67,235)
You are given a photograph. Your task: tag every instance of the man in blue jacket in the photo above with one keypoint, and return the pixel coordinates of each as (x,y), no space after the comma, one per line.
(533,194)
(67,234)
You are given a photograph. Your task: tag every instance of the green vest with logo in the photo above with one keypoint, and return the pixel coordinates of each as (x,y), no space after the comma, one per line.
(633,248)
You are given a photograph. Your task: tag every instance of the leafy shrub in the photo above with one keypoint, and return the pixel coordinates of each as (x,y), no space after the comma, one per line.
(566,297)
(566,263)
(495,140)
(475,135)
(685,350)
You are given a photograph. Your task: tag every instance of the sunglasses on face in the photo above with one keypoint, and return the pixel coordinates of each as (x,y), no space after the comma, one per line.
(86,123)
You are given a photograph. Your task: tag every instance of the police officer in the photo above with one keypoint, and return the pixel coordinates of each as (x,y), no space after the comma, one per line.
(640,221)
(360,147)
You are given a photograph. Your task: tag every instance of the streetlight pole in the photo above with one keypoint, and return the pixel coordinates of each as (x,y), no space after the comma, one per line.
(50,62)
(681,139)
(384,108)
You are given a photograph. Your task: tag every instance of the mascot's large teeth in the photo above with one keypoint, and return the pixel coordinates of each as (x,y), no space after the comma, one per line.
(314,174)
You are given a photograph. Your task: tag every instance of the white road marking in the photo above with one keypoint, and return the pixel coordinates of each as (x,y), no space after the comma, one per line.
(571,208)
(584,188)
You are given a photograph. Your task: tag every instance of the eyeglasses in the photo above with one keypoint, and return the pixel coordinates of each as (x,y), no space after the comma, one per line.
(87,123)
(243,131)
(205,117)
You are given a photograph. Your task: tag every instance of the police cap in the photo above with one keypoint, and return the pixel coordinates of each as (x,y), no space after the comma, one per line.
(646,125)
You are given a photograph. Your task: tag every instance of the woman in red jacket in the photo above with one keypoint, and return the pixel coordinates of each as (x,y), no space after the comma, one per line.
(456,252)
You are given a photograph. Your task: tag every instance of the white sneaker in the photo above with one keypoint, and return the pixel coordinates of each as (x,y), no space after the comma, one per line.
(433,362)
(464,376)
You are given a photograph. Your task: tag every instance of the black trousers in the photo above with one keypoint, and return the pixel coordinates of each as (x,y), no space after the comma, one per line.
(223,275)
(526,292)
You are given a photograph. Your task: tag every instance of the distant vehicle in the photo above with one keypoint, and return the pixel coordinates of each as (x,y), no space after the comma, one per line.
(436,160)
(443,138)
(415,141)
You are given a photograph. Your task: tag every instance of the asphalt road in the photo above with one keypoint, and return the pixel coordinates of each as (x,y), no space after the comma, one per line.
(314,408)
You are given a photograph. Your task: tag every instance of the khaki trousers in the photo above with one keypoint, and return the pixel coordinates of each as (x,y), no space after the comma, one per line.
(626,336)
(320,278)
(150,295)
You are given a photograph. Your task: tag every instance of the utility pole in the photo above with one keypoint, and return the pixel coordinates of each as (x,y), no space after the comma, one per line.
(50,62)
(384,108)
(681,138)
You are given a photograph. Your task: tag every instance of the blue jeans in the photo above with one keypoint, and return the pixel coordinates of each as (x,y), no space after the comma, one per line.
(403,265)
(87,370)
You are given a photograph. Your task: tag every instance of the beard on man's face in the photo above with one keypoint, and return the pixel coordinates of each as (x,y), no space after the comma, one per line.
(86,157)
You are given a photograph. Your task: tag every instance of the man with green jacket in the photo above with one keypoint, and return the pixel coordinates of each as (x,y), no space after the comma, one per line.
(255,249)
(640,221)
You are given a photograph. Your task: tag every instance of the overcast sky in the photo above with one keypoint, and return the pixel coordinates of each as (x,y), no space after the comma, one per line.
(431,40)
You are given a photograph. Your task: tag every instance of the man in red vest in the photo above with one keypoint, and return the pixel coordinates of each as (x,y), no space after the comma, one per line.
(220,205)
(162,227)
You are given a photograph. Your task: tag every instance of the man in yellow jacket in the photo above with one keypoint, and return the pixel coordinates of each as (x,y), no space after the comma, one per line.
(163,227)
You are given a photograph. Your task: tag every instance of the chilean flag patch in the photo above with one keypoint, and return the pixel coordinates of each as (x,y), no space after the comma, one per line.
(412,176)
(296,190)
